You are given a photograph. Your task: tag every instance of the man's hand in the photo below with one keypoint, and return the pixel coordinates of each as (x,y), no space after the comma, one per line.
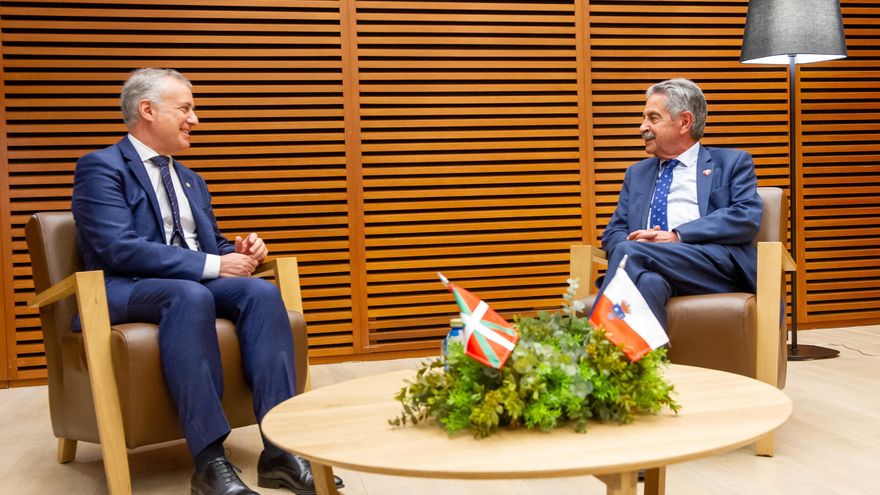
(237,265)
(252,246)
(653,235)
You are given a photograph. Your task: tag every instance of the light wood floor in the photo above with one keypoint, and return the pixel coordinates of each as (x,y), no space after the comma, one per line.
(829,446)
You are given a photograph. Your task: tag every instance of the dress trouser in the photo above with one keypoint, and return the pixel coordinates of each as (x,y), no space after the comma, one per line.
(662,270)
(186,312)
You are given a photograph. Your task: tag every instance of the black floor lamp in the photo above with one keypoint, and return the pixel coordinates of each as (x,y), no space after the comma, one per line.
(794,32)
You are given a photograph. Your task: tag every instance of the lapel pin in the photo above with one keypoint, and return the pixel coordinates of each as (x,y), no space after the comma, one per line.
(706,172)
(188,184)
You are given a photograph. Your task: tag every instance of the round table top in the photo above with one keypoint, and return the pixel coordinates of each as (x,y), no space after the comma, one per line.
(346,425)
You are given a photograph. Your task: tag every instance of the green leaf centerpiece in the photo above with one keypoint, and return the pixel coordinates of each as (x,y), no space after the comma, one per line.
(561,370)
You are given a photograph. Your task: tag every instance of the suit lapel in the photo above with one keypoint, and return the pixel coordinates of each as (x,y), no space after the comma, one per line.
(646,183)
(705,169)
(204,229)
(134,162)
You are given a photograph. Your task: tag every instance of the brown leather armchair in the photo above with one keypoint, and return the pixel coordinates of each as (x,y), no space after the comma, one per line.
(737,332)
(105,383)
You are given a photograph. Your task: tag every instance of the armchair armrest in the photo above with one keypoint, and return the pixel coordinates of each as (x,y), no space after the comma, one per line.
(57,292)
(773,262)
(91,298)
(584,261)
(286,273)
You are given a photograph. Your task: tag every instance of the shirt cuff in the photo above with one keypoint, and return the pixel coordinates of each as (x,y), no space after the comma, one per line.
(212,267)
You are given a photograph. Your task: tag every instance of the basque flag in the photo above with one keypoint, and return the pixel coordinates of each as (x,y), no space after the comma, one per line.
(488,337)
(626,317)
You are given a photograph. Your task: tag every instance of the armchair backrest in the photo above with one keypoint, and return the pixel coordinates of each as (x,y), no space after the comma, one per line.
(51,241)
(774,220)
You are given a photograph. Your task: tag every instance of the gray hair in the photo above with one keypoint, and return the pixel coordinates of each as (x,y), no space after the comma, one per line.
(683,95)
(147,84)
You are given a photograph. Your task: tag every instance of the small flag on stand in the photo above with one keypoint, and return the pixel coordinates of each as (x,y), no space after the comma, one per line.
(488,337)
(626,317)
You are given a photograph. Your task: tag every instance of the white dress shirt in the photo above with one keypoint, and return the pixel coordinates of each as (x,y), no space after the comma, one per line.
(187,221)
(682,205)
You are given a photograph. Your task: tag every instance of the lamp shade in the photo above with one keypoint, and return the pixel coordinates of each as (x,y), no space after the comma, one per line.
(810,30)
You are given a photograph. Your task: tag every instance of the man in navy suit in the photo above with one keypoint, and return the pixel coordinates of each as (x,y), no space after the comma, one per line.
(146,221)
(687,217)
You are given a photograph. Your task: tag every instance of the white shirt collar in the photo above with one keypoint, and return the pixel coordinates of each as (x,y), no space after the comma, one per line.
(144,152)
(689,157)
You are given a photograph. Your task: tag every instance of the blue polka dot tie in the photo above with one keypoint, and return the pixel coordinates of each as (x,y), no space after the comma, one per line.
(177,229)
(661,194)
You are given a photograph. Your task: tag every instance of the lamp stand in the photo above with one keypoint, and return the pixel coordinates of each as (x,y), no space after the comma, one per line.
(796,352)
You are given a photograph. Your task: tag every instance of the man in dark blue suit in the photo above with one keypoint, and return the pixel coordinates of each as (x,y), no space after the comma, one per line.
(146,221)
(687,217)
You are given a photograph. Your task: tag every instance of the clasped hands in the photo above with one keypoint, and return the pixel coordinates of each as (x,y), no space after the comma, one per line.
(653,235)
(249,252)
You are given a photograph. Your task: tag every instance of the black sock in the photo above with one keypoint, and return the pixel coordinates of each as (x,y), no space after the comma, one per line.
(209,453)
(272,452)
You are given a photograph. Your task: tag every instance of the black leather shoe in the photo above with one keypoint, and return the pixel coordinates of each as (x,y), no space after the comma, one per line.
(290,471)
(219,478)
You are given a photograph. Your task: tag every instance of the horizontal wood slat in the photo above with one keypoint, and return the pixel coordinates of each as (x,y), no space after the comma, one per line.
(841,174)
(470,158)
(269,92)
(383,141)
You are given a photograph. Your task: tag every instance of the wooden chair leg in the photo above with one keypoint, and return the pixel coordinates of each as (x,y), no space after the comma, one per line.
(66,450)
(92,302)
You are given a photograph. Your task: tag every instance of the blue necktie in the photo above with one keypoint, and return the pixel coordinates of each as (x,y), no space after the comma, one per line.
(177,229)
(661,194)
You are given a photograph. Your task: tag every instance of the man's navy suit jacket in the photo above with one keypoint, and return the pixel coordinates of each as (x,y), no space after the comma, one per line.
(730,208)
(119,226)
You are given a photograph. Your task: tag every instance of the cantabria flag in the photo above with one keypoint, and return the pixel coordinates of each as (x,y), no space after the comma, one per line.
(488,337)
(626,317)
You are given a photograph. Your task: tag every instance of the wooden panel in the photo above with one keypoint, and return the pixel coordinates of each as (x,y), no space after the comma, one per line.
(838,167)
(382,141)
(470,139)
(271,143)
(641,43)
(635,46)
(841,175)
(7,319)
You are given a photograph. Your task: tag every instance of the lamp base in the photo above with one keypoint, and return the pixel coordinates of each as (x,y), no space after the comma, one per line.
(810,352)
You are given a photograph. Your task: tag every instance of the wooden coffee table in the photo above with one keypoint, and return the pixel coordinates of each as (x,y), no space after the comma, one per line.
(346,425)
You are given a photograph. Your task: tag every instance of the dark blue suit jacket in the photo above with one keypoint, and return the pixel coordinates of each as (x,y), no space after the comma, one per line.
(119,226)
(730,208)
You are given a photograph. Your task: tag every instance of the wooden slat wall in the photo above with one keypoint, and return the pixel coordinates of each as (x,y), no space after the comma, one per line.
(382,141)
(841,176)
(268,85)
(469,116)
(636,44)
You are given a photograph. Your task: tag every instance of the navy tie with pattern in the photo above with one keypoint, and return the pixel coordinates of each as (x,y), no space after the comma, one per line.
(661,194)
(177,229)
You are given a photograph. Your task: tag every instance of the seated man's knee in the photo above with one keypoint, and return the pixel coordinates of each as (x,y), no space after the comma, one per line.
(258,289)
(193,295)
(653,283)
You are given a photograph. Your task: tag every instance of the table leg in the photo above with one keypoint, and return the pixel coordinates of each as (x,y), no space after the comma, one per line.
(620,483)
(324,484)
(655,481)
